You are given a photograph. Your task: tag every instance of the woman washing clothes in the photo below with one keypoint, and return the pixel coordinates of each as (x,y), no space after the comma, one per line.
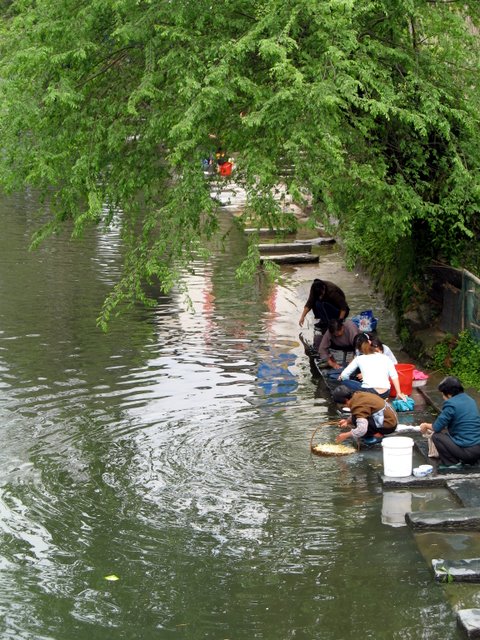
(370,416)
(376,370)
(327,301)
(456,431)
(340,336)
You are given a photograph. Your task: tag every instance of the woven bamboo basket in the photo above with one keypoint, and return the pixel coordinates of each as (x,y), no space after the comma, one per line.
(329,449)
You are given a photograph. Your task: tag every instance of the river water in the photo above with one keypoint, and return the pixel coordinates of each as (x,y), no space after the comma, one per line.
(173,454)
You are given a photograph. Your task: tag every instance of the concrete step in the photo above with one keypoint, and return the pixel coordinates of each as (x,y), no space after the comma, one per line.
(448,520)
(466,491)
(469,621)
(283,247)
(467,570)
(295,246)
(292,258)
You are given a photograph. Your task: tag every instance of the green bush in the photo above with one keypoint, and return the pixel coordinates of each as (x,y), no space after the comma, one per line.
(460,357)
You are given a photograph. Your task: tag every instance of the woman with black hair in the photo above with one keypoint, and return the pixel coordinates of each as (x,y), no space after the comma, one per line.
(370,416)
(376,370)
(327,301)
(339,336)
(456,431)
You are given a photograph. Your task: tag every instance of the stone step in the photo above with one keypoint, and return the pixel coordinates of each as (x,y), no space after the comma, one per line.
(292,258)
(283,247)
(469,621)
(295,246)
(435,479)
(317,241)
(447,520)
(466,491)
(467,570)
(267,232)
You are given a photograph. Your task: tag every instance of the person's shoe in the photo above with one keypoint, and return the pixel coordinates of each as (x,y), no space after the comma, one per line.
(370,440)
(450,467)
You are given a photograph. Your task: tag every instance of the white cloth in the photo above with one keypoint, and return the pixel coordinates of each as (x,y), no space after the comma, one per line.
(376,370)
(389,353)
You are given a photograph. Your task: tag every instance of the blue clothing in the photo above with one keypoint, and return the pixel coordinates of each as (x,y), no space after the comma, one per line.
(461,417)
(356,385)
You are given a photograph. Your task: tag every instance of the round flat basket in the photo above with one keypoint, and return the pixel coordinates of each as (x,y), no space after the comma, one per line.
(329,448)
(332,449)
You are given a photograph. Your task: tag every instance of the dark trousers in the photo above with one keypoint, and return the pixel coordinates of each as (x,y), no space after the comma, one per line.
(451,453)
(324,312)
(356,385)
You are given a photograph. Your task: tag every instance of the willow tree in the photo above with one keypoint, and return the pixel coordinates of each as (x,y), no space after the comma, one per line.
(110,105)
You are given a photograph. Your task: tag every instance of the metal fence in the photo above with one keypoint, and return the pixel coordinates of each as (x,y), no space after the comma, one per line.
(471,303)
(460,299)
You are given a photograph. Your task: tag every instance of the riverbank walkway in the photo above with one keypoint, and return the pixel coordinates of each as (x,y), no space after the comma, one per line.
(462,520)
(463,485)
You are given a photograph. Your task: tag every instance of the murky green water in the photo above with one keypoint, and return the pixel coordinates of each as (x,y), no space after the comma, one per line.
(174,453)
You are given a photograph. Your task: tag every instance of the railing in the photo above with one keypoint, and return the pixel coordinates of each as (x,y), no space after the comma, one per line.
(471,303)
(460,299)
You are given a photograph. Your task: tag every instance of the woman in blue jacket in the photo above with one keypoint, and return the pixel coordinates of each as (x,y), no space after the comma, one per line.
(456,431)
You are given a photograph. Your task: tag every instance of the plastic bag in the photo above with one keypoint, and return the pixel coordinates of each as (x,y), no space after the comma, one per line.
(365,320)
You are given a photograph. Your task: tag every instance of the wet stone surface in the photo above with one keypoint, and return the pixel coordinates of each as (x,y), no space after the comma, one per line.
(467,570)
(450,519)
(469,621)
(466,491)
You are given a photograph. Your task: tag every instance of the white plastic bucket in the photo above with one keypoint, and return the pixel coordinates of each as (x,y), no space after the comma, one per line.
(397,456)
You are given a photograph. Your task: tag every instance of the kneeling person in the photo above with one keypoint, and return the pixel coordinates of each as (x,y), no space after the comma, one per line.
(340,336)
(370,415)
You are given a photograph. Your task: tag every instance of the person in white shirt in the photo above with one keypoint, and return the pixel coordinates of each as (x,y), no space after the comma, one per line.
(383,348)
(376,370)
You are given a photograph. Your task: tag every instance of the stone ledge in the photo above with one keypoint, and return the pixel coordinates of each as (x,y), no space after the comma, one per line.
(465,490)
(469,621)
(448,520)
(432,480)
(292,258)
(467,570)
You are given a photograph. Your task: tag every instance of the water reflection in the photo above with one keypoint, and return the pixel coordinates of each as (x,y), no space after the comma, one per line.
(174,453)
(396,504)
(394,507)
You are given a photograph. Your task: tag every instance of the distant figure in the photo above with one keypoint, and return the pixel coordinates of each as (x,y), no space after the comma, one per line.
(340,336)
(456,431)
(327,301)
(370,415)
(220,157)
(376,370)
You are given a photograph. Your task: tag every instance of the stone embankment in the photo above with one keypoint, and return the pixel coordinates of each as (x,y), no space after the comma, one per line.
(463,519)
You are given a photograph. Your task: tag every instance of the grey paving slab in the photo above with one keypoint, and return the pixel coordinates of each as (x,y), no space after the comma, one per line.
(467,491)
(466,570)
(469,621)
(447,520)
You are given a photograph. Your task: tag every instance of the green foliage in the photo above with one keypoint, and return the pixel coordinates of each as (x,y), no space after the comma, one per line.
(372,107)
(460,357)
(248,270)
(445,573)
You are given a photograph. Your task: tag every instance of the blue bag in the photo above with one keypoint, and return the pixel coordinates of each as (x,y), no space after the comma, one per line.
(365,320)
